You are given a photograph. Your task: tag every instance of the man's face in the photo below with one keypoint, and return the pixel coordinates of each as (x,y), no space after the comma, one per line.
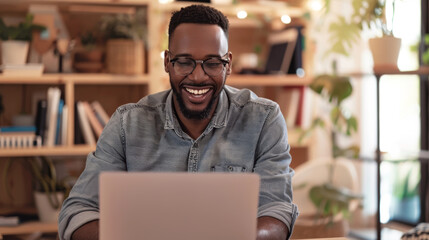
(197,92)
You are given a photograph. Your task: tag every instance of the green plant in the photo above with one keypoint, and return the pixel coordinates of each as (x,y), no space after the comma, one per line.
(23,31)
(345,32)
(329,199)
(45,176)
(124,26)
(407,181)
(88,41)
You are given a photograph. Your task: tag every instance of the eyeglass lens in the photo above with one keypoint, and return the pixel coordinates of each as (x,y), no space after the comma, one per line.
(185,66)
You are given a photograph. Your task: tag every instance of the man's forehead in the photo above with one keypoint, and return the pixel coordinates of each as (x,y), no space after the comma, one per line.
(193,36)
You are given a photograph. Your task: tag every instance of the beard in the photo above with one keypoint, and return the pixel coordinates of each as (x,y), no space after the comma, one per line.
(192,114)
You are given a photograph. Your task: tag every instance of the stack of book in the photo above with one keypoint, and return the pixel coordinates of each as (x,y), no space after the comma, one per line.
(90,119)
(19,137)
(51,123)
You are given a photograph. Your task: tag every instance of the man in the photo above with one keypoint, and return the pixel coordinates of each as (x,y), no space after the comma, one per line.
(199,125)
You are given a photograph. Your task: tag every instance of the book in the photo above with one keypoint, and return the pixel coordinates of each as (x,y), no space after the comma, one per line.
(64,125)
(78,135)
(84,123)
(13,129)
(40,122)
(58,125)
(95,124)
(54,95)
(100,113)
(9,221)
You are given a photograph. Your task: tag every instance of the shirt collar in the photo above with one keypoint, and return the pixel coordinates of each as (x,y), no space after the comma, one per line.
(218,120)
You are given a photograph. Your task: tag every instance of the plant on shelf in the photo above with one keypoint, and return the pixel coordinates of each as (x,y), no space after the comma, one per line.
(47,187)
(125,35)
(328,198)
(16,38)
(88,56)
(371,15)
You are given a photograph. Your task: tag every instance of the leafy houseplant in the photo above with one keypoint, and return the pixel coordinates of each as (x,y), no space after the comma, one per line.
(367,14)
(15,40)
(88,56)
(329,199)
(46,183)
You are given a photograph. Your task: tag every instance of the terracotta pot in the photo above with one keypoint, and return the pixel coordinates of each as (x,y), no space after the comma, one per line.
(385,52)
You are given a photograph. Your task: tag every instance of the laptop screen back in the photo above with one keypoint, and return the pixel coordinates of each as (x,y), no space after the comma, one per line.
(180,206)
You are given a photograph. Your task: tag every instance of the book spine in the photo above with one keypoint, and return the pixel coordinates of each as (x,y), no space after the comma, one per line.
(100,113)
(64,125)
(95,124)
(41,118)
(53,103)
(58,125)
(84,123)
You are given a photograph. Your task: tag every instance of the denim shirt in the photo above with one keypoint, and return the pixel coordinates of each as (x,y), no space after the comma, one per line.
(246,134)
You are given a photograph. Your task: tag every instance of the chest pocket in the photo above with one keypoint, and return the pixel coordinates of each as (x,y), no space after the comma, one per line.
(228,168)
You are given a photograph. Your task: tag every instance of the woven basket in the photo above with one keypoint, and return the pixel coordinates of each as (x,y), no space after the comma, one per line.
(124,56)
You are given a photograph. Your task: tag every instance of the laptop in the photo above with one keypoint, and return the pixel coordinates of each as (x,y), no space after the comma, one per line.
(180,206)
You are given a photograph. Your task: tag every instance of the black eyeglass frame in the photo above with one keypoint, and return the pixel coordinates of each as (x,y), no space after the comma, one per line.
(224,62)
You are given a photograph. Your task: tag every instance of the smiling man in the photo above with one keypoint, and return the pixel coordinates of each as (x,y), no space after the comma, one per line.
(200,125)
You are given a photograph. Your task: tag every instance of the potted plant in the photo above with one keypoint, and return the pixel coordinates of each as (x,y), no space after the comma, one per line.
(367,14)
(49,193)
(332,202)
(125,34)
(88,56)
(15,40)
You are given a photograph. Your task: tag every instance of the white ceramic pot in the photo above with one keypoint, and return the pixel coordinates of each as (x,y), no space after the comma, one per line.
(47,213)
(14,52)
(385,52)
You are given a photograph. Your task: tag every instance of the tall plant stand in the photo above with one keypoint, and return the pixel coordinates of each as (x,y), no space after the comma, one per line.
(421,72)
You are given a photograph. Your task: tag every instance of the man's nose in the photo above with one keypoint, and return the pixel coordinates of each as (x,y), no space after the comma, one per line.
(198,72)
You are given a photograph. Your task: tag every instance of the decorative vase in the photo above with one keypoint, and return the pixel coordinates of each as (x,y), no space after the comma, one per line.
(124,56)
(47,213)
(385,52)
(14,52)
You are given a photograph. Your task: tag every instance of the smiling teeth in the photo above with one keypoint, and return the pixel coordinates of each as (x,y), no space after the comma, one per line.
(197,92)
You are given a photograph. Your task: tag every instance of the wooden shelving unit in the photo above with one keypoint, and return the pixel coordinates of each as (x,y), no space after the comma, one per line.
(76,150)
(28,228)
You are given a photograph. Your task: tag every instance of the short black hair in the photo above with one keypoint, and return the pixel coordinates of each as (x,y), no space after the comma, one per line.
(200,14)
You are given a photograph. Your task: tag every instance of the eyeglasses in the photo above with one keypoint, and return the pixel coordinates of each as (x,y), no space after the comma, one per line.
(211,66)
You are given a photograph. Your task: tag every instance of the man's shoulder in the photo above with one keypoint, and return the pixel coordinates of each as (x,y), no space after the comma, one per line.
(149,102)
(243,97)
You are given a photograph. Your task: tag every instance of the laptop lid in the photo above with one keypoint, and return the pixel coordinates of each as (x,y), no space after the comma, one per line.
(180,206)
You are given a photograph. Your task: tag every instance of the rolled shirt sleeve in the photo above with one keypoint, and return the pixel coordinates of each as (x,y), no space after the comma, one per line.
(272,164)
(82,205)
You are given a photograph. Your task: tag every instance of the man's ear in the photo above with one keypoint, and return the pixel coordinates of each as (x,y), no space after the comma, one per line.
(166,60)
(229,66)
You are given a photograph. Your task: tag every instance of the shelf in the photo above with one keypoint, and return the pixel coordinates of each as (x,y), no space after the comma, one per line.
(255,7)
(101,2)
(77,150)
(76,78)
(28,228)
(267,80)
